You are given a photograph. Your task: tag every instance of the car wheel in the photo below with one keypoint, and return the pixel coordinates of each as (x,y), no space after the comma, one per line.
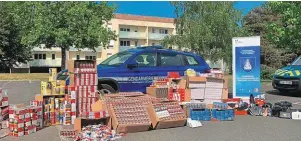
(106,89)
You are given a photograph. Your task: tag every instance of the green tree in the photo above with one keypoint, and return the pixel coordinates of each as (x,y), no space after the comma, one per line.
(64,24)
(205,28)
(286,34)
(256,23)
(12,51)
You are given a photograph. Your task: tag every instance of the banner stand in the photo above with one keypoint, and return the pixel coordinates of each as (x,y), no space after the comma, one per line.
(246,67)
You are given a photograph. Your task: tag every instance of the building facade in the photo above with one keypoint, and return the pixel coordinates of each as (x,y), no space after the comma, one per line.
(132,31)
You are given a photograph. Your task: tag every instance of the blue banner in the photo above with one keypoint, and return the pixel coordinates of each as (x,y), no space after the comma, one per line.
(246,67)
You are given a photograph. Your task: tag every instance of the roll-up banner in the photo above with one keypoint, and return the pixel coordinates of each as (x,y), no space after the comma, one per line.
(246,66)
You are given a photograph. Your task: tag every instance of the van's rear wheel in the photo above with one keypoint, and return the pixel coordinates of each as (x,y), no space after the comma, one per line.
(106,89)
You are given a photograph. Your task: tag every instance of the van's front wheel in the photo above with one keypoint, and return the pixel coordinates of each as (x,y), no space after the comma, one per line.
(106,89)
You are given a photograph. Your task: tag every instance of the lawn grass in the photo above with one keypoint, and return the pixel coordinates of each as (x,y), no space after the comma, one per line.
(24,76)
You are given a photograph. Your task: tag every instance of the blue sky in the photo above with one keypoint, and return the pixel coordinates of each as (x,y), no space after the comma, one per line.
(164,9)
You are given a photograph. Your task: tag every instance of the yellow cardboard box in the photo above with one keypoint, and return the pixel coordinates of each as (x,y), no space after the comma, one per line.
(52,74)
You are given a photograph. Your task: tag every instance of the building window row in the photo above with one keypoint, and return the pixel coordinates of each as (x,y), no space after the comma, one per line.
(40,56)
(90,58)
(125,29)
(125,43)
(161,31)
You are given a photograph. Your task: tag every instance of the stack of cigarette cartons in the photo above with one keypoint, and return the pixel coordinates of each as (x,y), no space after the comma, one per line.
(4,113)
(17,120)
(84,79)
(215,90)
(129,116)
(171,87)
(70,107)
(166,115)
(36,114)
(196,86)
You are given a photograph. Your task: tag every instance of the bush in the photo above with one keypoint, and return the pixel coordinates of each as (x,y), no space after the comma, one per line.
(267,72)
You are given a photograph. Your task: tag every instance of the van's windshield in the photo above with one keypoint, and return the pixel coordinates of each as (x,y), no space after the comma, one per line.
(297,62)
(117,59)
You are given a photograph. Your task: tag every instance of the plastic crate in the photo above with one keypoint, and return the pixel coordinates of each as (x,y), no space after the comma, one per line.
(223,115)
(200,114)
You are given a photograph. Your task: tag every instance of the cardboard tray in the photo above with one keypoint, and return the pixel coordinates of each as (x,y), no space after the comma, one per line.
(126,128)
(157,124)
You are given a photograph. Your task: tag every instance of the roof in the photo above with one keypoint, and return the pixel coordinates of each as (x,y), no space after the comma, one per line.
(144,18)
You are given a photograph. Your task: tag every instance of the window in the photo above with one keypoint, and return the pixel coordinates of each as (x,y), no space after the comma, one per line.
(168,59)
(153,30)
(125,43)
(191,60)
(117,59)
(77,57)
(40,56)
(90,57)
(53,56)
(125,29)
(136,43)
(36,56)
(297,62)
(163,31)
(146,59)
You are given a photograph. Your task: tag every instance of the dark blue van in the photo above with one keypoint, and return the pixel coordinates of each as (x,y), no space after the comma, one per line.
(135,69)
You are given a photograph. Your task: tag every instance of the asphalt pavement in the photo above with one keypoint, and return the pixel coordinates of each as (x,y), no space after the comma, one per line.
(243,128)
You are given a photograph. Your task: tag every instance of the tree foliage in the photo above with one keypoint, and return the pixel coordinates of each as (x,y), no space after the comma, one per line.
(257,23)
(12,51)
(205,28)
(286,33)
(64,24)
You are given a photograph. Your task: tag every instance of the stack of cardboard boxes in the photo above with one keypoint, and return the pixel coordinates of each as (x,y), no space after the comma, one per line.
(191,89)
(53,86)
(25,120)
(85,80)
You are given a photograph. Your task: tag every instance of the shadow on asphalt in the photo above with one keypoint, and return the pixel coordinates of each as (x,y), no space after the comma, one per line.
(287,94)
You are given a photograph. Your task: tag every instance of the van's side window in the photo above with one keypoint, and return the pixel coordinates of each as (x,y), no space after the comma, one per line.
(170,59)
(146,60)
(191,61)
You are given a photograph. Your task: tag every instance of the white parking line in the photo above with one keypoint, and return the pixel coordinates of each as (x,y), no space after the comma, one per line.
(5,83)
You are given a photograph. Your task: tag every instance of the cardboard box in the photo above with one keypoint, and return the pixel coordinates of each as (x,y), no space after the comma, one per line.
(197,93)
(225,83)
(98,106)
(195,79)
(126,128)
(225,94)
(70,66)
(157,124)
(214,83)
(157,92)
(52,74)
